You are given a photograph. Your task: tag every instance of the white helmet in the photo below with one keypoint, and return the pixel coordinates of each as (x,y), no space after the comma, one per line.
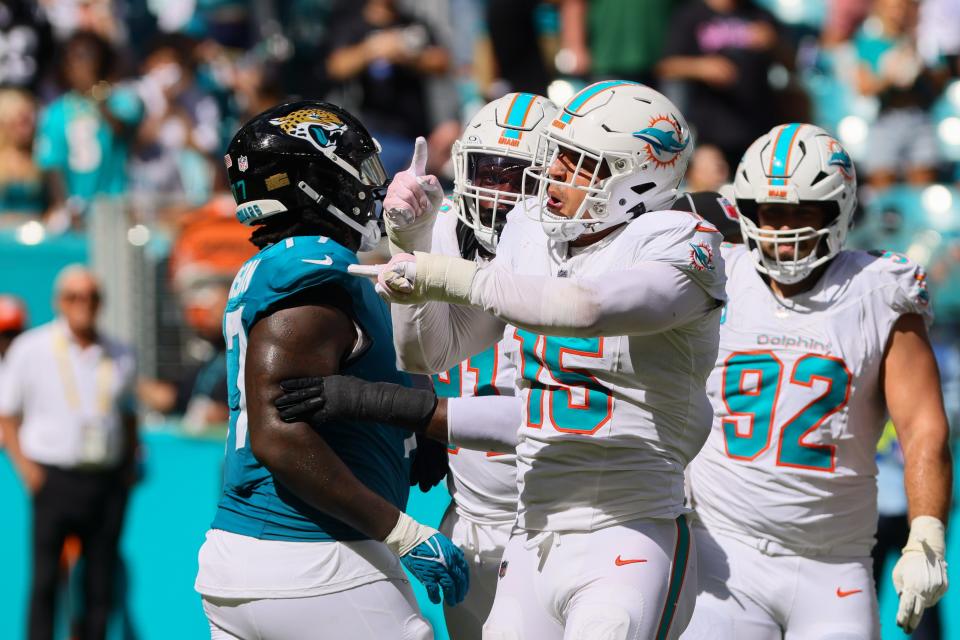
(627,129)
(797,164)
(496,146)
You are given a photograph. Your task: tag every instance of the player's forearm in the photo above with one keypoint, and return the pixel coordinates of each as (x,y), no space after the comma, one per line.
(433,337)
(651,297)
(928,472)
(484,423)
(303,462)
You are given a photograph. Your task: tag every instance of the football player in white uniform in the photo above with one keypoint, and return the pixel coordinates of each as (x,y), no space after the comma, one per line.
(816,344)
(614,306)
(497,145)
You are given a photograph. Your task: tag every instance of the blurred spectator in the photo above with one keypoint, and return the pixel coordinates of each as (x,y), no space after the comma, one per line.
(27,45)
(708,169)
(22,188)
(70,428)
(723,49)
(891,68)
(256,88)
(843,19)
(199,395)
(13,320)
(939,31)
(180,130)
(83,138)
(98,16)
(620,39)
(511,25)
(207,402)
(385,55)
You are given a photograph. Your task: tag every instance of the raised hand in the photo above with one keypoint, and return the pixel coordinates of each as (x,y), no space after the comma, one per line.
(411,204)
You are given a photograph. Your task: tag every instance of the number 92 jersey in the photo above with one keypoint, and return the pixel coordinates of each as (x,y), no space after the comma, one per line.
(789,466)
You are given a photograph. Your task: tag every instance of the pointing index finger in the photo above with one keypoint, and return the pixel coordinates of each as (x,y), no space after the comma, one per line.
(418,164)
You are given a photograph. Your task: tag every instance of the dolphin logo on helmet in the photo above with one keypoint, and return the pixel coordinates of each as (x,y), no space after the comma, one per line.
(841,159)
(663,145)
(662,141)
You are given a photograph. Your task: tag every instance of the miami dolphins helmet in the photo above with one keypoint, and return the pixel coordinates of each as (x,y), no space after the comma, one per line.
(308,154)
(638,144)
(489,159)
(803,165)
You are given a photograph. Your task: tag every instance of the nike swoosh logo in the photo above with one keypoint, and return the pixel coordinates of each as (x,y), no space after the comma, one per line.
(706,229)
(620,561)
(844,594)
(326,262)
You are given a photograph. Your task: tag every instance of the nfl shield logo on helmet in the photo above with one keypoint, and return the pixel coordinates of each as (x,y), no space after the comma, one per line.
(242,163)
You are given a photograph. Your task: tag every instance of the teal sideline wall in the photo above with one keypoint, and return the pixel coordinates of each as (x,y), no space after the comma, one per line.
(28,271)
(170,512)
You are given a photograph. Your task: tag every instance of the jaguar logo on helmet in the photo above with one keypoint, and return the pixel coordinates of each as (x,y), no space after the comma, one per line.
(665,140)
(841,159)
(318,127)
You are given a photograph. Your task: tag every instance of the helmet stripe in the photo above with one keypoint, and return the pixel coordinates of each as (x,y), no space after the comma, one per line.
(780,159)
(517,114)
(580,99)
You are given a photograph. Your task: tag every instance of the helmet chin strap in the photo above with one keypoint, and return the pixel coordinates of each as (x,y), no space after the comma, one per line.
(369,233)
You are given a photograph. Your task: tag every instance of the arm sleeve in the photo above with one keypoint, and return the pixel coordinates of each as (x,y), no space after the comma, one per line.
(650,297)
(435,336)
(484,423)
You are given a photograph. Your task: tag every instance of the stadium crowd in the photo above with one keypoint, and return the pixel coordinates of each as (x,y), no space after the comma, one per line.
(131,104)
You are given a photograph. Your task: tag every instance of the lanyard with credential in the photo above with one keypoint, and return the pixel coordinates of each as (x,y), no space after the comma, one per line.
(104,379)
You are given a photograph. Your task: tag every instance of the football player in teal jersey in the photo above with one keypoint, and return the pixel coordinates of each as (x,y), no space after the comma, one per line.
(310,531)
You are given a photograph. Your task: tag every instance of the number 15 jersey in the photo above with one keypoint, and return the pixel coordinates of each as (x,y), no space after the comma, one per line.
(789,465)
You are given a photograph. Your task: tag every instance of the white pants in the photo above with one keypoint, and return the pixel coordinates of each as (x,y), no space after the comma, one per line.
(482,547)
(748,595)
(381,610)
(636,580)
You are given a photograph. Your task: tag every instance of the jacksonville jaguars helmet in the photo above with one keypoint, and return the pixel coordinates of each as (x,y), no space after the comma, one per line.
(496,146)
(308,155)
(798,164)
(638,143)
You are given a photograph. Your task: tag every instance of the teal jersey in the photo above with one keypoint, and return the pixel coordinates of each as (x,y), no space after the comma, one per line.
(253,503)
(75,139)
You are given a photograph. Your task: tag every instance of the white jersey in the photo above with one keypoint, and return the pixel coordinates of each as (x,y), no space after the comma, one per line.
(483,485)
(798,407)
(611,422)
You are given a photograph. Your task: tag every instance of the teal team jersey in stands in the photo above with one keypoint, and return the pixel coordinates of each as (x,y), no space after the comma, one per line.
(74,138)
(253,503)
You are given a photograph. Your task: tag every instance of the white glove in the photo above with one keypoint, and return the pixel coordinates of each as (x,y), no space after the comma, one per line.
(920,576)
(421,277)
(411,204)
